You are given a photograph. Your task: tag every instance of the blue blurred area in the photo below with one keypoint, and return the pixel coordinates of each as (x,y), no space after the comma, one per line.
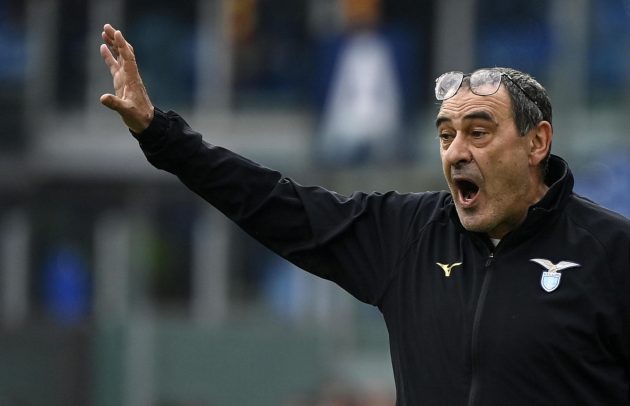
(606,181)
(66,286)
(609,37)
(515,34)
(12,48)
(169,53)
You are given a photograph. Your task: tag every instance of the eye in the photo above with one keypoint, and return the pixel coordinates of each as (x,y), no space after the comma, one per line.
(445,137)
(478,133)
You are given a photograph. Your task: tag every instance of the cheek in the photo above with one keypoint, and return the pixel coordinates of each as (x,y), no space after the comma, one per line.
(511,183)
(507,175)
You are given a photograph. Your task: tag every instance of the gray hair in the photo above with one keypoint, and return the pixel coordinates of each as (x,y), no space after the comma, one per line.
(530,101)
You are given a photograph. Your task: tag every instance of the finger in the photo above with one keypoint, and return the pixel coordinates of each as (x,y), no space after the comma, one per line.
(108,35)
(107,54)
(109,59)
(124,48)
(110,45)
(107,100)
(106,39)
(113,102)
(109,31)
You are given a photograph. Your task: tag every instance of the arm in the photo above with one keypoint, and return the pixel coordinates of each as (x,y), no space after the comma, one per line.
(355,241)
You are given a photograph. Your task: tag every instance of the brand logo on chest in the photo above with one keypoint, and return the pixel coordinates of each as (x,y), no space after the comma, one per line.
(447,268)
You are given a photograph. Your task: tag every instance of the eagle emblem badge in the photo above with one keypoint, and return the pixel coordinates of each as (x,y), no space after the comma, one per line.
(550,279)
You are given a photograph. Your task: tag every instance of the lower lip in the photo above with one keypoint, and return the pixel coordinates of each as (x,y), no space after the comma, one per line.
(467,203)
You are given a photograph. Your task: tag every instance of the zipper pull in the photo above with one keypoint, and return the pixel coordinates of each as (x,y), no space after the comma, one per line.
(490,259)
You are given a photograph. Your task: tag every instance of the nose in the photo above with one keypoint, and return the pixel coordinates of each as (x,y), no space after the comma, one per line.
(457,152)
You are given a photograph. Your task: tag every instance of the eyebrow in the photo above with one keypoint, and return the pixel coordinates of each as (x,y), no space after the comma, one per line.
(473,115)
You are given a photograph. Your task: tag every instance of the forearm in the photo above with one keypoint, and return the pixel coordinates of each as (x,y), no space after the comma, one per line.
(258,199)
(233,184)
(353,240)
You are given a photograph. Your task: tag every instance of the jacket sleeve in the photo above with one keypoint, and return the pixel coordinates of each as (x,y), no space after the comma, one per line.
(353,240)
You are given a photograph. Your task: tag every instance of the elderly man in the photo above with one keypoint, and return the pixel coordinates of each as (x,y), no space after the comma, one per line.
(507,290)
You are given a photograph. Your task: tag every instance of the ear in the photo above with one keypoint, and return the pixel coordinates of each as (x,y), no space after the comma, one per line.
(540,142)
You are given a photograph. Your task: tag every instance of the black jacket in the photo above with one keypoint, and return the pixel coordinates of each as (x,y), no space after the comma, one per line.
(543,319)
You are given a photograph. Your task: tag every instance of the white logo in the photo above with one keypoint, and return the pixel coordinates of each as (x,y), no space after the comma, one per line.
(550,280)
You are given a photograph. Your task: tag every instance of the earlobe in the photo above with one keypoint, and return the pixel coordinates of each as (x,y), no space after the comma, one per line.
(540,142)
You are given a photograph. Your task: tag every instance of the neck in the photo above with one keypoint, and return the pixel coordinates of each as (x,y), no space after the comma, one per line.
(539,191)
(534,196)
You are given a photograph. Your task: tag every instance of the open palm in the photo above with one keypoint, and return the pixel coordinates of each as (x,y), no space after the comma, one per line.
(130,100)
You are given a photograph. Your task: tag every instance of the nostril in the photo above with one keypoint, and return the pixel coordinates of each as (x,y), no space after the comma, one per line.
(463,161)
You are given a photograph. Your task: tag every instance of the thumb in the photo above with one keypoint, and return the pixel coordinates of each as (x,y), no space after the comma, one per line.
(112,102)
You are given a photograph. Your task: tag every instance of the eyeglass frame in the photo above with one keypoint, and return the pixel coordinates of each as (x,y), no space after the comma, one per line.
(464,75)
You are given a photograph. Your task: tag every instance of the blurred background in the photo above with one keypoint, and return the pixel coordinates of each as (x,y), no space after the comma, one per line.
(120,287)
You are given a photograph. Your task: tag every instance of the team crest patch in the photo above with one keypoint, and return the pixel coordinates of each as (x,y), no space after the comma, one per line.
(550,279)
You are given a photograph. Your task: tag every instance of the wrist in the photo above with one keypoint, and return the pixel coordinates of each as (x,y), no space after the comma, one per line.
(144,122)
(156,122)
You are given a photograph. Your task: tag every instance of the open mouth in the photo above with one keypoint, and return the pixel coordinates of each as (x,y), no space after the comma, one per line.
(468,190)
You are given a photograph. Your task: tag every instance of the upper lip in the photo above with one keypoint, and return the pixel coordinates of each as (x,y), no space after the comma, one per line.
(457,178)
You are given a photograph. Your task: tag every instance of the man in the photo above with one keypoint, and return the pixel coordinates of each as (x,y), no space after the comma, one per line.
(509,290)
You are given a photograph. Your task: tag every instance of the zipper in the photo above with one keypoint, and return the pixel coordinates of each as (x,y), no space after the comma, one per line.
(474,345)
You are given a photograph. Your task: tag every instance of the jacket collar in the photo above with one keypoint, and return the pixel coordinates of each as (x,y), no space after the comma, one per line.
(560,181)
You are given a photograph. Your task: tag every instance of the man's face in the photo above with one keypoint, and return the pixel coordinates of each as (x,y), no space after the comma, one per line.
(486,162)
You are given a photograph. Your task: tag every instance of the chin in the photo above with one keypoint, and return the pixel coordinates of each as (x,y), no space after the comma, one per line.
(473,222)
(475,228)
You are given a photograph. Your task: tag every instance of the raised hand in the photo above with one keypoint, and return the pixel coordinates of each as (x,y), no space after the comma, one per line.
(131,100)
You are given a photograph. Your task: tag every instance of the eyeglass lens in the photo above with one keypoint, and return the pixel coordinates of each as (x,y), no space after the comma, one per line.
(483,82)
(448,84)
